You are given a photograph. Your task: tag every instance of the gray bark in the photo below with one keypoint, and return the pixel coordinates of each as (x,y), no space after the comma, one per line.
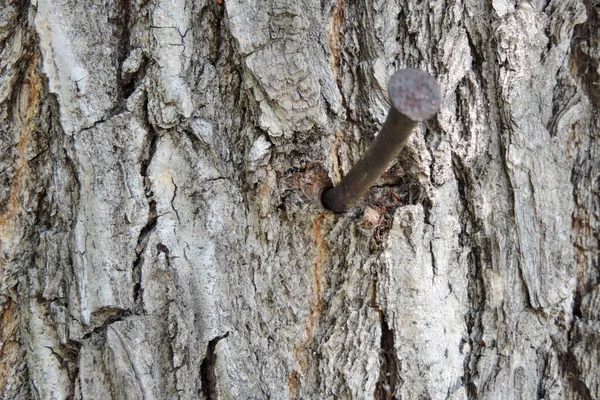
(161,235)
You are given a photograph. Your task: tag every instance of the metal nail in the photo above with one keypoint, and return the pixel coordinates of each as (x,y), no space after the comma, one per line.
(415,96)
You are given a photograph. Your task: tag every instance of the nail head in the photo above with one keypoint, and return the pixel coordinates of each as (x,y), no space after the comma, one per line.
(415,94)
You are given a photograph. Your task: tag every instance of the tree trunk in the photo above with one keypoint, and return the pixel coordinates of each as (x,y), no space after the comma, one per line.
(161,233)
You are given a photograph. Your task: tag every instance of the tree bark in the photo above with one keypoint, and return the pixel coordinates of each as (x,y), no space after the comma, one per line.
(161,235)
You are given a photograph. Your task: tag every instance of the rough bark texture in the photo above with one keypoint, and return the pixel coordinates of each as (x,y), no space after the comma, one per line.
(160,230)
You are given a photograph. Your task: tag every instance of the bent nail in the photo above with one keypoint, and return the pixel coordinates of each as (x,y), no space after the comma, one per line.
(415,96)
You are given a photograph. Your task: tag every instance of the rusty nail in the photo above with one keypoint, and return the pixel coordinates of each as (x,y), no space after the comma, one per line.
(415,96)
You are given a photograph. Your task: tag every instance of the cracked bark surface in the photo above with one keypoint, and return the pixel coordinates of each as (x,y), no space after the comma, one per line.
(160,230)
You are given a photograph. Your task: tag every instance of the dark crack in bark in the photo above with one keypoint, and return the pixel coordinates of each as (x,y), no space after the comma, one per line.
(207,369)
(475,287)
(388,358)
(572,373)
(584,61)
(388,372)
(148,228)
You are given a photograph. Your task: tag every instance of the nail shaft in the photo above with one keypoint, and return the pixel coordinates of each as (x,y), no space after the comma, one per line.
(415,96)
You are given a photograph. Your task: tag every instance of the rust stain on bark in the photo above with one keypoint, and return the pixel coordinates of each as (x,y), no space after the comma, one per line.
(294,386)
(9,347)
(334,155)
(317,269)
(336,20)
(584,67)
(26,108)
(25,111)
(316,309)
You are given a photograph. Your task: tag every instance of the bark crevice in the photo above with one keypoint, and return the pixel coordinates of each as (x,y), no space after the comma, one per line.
(388,363)
(207,369)
(150,226)
(475,286)
(572,372)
